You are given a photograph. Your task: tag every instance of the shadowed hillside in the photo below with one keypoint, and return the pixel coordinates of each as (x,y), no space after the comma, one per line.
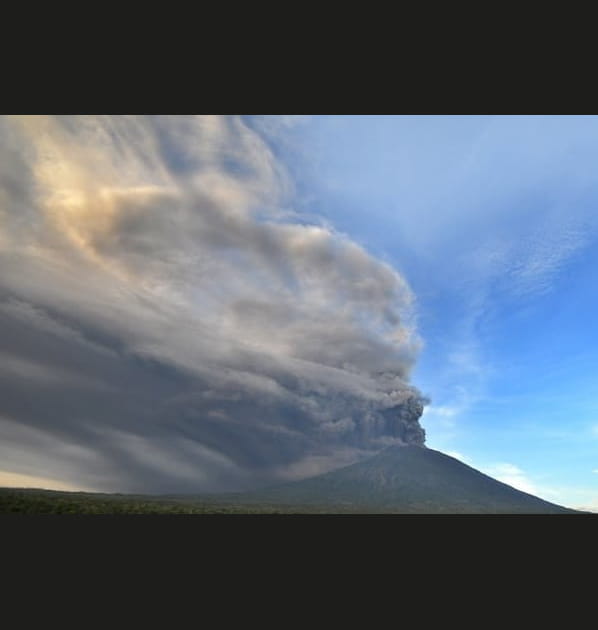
(406,479)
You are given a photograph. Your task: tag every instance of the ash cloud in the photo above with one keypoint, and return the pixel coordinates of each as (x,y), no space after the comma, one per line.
(166,326)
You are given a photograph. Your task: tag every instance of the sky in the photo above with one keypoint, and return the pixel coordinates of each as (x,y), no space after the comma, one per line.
(198,303)
(492,220)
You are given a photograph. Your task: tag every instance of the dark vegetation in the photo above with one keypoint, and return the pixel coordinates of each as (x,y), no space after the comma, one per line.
(35,501)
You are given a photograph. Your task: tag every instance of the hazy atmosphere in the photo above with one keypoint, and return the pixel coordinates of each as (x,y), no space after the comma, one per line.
(211,303)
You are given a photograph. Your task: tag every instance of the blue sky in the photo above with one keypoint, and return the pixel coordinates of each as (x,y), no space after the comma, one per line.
(492,220)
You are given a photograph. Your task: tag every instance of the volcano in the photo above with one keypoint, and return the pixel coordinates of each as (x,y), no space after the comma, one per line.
(403,479)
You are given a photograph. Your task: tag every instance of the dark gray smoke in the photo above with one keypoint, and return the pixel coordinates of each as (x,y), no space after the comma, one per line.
(166,324)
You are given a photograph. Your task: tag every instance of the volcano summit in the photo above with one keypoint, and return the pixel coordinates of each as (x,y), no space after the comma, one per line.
(404,479)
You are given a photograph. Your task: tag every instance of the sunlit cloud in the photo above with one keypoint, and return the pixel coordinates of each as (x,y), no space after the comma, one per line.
(16,480)
(513,476)
(459,456)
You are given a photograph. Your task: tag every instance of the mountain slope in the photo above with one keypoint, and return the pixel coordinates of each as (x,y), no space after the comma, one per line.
(410,479)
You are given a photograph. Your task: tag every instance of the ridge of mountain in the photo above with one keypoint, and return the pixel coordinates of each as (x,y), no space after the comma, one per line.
(407,478)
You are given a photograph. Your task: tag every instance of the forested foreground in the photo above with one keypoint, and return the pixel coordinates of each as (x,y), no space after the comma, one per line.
(29,501)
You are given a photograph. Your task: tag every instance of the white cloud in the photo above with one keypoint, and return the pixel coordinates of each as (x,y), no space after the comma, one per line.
(440,416)
(445,416)
(17,480)
(513,476)
(503,471)
(458,456)
(542,255)
(444,411)
(577,498)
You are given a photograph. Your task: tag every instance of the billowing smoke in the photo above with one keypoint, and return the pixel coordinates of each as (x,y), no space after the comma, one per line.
(168,323)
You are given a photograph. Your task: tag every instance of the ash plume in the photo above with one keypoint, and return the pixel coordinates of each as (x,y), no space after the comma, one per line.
(168,324)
